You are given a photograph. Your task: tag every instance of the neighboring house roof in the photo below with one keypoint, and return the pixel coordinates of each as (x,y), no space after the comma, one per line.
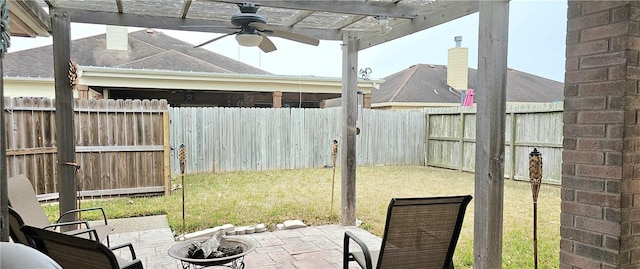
(146,50)
(427,83)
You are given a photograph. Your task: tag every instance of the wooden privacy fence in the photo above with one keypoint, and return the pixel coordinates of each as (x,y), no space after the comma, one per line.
(124,146)
(245,139)
(120,145)
(451,139)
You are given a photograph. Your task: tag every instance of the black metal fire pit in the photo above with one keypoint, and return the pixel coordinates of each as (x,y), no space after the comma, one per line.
(180,251)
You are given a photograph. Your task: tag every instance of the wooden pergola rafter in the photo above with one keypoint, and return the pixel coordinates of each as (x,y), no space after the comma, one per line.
(351,21)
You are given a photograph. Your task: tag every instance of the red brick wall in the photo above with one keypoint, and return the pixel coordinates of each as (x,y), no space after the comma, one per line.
(600,220)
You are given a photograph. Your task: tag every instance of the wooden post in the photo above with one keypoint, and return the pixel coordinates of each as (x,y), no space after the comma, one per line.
(349,110)
(512,146)
(4,193)
(490,129)
(66,147)
(167,152)
(461,141)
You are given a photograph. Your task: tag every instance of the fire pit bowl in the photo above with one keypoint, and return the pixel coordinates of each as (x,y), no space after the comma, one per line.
(180,251)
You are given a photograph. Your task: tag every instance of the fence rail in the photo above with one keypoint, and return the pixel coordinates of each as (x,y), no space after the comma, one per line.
(243,139)
(125,146)
(119,144)
(450,141)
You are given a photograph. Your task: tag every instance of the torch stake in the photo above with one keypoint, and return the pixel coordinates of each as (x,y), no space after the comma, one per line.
(182,156)
(535,176)
(535,234)
(334,154)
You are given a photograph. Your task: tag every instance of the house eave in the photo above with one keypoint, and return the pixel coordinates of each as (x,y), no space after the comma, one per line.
(411,104)
(168,79)
(28,79)
(28,19)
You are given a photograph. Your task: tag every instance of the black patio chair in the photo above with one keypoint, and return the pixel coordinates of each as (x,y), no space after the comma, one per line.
(419,233)
(24,202)
(76,252)
(16,222)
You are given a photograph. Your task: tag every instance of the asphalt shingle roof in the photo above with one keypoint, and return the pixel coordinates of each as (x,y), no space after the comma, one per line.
(146,49)
(427,83)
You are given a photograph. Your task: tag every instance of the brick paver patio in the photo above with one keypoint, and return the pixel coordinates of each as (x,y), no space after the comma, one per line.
(310,247)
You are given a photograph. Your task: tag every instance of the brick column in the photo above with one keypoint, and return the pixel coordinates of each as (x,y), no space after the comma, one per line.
(277,99)
(600,220)
(366,100)
(83,91)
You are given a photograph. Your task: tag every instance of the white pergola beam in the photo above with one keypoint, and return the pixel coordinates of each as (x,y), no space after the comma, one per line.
(346,22)
(177,23)
(302,14)
(368,8)
(445,12)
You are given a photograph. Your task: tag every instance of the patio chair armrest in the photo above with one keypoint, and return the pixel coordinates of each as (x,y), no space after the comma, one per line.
(365,250)
(134,264)
(93,234)
(104,215)
(62,224)
(133,252)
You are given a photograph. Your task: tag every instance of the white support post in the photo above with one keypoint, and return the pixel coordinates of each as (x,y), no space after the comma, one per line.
(490,128)
(349,116)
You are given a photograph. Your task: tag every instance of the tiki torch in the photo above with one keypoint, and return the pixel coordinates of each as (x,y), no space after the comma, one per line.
(334,155)
(535,176)
(182,156)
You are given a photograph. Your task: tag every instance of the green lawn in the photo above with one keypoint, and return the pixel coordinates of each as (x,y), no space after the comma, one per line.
(271,197)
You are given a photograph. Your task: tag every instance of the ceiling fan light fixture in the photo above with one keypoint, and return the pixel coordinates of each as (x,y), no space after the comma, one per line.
(249,40)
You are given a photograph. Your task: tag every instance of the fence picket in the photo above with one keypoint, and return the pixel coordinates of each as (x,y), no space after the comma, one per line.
(289,138)
(99,126)
(121,142)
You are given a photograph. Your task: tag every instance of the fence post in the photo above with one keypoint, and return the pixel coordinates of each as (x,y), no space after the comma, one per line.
(461,141)
(167,152)
(426,139)
(513,145)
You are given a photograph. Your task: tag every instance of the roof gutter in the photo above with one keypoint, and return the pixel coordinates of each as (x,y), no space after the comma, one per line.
(167,79)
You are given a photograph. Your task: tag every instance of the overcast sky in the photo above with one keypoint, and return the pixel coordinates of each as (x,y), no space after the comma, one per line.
(537,31)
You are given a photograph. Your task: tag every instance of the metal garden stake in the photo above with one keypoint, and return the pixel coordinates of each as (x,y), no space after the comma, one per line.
(334,155)
(182,156)
(535,176)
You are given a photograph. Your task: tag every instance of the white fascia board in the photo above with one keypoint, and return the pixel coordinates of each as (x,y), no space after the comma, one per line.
(412,104)
(28,79)
(166,79)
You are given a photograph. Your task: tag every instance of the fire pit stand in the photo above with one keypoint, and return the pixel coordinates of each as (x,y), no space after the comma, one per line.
(180,251)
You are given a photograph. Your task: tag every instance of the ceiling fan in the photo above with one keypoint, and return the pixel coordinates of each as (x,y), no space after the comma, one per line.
(253,30)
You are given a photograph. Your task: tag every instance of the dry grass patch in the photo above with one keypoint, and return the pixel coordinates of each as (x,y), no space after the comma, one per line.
(271,197)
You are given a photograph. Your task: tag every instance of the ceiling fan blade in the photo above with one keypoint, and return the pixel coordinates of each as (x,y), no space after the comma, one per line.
(260,26)
(209,26)
(217,38)
(286,35)
(266,45)
(295,37)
